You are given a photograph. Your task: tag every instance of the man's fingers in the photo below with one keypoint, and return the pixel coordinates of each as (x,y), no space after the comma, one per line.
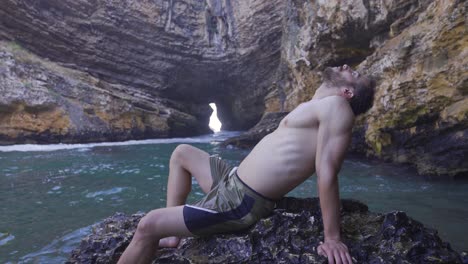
(330,258)
(326,252)
(319,250)
(337,257)
(344,259)
(336,254)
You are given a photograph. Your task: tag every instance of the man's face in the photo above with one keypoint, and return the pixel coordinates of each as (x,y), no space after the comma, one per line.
(341,76)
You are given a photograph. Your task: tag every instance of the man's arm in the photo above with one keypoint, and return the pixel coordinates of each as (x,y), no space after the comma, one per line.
(333,139)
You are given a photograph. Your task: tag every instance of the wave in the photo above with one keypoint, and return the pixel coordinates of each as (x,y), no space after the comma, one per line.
(59,249)
(105,192)
(216,137)
(5,238)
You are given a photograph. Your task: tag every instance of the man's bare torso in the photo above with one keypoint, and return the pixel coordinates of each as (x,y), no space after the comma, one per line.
(286,157)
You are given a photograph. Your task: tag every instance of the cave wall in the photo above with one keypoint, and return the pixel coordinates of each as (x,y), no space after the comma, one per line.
(43,102)
(118,70)
(417,50)
(183,54)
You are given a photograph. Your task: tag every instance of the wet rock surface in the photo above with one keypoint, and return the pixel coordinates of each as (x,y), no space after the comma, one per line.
(290,234)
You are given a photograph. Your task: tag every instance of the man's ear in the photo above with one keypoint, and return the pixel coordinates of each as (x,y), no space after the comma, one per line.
(347,92)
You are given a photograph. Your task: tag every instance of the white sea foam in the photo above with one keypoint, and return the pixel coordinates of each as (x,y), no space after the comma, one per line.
(220,136)
(5,238)
(105,192)
(129,171)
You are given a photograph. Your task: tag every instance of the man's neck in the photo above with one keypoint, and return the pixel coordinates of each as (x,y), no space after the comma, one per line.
(324,91)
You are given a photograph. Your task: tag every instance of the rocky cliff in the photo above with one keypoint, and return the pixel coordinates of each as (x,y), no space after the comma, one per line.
(44,102)
(417,50)
(290,235)
(110,70)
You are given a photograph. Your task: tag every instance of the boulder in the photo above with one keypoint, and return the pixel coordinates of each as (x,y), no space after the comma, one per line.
(290,234)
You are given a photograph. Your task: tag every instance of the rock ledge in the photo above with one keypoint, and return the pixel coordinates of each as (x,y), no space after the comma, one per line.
(289,235)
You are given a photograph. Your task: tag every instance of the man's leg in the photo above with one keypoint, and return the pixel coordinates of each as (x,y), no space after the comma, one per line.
(186,161)
(153,226)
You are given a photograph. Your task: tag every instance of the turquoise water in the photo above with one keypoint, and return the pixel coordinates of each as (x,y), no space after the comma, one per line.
(51,195)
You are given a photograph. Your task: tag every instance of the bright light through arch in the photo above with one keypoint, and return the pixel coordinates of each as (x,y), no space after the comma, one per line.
(215,124)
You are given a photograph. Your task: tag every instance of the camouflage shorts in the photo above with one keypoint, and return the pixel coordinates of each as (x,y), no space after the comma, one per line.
(231,205)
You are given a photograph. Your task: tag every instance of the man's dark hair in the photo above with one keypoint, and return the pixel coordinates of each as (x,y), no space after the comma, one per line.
(363,96)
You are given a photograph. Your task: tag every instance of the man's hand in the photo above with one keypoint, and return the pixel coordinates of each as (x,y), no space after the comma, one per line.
(336,252)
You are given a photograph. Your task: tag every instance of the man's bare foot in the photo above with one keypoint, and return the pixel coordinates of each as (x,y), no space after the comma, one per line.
(169,242)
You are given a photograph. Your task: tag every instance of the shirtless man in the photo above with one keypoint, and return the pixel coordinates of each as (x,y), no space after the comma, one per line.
(311,138)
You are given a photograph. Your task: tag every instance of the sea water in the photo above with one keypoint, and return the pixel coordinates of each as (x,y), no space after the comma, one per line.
(51,195)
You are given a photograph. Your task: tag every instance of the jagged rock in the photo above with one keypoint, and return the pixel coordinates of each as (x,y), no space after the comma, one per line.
(194,52)
(421,115)
(289,235)
(43,102)
(418,52)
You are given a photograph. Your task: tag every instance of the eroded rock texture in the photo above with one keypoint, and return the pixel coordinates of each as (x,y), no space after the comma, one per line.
(417,50)
(158,63)
(290,235)
(161,62)
(44,102)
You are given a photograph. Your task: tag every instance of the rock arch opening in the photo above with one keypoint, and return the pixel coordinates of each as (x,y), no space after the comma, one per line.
(215,125)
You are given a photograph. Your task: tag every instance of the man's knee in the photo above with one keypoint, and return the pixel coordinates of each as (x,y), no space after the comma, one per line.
(148,226)
(180,153)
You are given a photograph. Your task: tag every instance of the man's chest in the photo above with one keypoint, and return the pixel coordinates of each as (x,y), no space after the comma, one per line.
(303,116)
